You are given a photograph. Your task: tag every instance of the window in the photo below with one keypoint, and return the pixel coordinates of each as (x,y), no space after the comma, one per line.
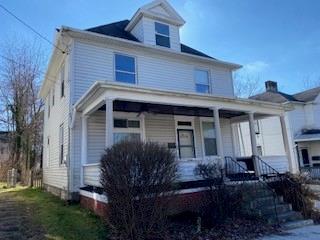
(257,127)
(62,81)
(125,69)
(259,150)
(61,144)
(162,34)
(48,151)
(209,138)
(48,106)
(53,97)
(202,81)
(126,129)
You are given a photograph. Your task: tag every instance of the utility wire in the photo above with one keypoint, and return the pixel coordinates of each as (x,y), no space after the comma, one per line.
(31,28)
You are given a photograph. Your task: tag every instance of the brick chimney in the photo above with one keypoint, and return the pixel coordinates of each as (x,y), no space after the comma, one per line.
(271,86)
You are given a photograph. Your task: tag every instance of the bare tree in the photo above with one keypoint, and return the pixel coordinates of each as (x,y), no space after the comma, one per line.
(246,85)
(20,108)
(309,82)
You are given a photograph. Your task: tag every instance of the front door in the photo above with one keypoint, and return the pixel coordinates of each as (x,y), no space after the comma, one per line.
(305,157)
(186,143)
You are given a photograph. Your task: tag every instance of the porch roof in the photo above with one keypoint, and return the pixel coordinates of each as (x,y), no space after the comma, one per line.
(159,100)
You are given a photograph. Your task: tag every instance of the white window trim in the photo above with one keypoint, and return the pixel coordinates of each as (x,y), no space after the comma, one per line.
(209,79)
(48,139)
(160,34)
(192,127)
(131,116)
(205,119)
(62,80)
(135,67)
(63,162)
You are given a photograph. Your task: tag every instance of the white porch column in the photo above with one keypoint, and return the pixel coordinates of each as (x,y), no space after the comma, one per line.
(109,122)
(218,135)
(84,146)
(293,164)
(253,143)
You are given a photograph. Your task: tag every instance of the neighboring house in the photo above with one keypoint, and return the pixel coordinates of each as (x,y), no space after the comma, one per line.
(4,146)
(304,122)
(135,79)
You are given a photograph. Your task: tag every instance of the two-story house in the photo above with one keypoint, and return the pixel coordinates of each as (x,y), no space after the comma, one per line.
(134,79)
(304,123)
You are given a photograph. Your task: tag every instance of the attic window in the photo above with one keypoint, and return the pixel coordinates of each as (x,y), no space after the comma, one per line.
(162,34)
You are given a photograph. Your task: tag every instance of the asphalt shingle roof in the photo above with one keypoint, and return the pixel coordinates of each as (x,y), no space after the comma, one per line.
(117,29)
(280,97)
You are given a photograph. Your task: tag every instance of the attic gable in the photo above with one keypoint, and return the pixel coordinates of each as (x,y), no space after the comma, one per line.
(159,10)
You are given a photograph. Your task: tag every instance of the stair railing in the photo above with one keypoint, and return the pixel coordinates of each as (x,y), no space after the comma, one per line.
(233,168)
(289,189)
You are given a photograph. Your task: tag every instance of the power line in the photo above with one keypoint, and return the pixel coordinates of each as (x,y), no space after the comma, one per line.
(31,28)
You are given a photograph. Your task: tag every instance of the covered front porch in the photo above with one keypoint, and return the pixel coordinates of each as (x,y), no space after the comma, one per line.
(198,129)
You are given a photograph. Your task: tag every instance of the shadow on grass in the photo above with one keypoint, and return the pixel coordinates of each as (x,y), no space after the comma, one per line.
(59,219)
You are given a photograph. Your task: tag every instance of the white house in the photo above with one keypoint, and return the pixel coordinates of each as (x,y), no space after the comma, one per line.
(135,79)
(304,123)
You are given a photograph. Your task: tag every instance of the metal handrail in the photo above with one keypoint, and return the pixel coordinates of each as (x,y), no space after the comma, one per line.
(286,187)
(258,181)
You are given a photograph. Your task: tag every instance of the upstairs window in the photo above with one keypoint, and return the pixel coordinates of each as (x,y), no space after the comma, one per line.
(53,96)
(61,144)
(125,69)
(162,34)
(49,105)
(62,81)
(202,81)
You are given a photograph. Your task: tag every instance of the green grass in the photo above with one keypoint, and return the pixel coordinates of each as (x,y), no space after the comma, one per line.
(59,220)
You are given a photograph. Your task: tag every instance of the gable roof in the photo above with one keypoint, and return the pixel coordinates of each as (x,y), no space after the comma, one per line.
(117,29)
(280,97)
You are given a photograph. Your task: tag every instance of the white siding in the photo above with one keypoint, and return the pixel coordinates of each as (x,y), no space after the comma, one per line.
(96,136)
(137,31)
(95,62)
(54,173)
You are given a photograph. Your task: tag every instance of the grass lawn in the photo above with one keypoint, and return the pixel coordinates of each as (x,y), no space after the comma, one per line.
(58,220)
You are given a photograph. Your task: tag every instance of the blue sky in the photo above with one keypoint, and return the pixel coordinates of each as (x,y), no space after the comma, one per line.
(277,40)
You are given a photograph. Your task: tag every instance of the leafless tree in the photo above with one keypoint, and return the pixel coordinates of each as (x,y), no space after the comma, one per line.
(246,84)
(20,107)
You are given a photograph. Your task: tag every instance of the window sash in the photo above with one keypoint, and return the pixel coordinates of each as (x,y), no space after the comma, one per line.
(62,73)
(61,144)
(202,81)
(125,71)
(209,138)
(162,29)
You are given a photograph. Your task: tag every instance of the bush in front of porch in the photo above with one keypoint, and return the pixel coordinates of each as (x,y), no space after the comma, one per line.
(134,176)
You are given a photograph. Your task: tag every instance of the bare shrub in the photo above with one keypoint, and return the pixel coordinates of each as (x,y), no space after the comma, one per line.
(134,176)
(222,202)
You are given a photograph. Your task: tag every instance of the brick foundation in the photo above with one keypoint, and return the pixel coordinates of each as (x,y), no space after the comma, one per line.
(180,203)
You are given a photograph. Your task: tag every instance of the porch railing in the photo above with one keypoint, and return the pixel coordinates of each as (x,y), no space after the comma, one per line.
(312,172)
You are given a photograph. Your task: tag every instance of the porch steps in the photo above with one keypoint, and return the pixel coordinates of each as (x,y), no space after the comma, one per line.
(274,209)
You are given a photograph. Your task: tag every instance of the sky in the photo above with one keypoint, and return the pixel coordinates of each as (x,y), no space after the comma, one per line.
(275,40)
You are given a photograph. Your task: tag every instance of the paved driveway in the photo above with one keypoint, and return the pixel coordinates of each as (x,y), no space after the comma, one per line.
(307,233)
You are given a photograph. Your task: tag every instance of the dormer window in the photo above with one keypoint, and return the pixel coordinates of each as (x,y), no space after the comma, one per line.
(162,34)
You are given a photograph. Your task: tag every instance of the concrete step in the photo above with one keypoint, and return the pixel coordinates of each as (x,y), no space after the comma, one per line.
(297,224)
(270,210)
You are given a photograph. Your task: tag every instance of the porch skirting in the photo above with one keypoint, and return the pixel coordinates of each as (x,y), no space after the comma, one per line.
(184,200)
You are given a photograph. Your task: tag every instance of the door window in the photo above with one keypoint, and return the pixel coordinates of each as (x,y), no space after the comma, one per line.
(186,143)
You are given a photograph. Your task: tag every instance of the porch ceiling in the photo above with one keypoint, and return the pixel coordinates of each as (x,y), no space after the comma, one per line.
(138,107)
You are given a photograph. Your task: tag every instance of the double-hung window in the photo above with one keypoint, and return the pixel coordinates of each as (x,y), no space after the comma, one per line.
(61,144)
(162,34)
(62,72)
(209,138)
(202,81)
(126,129)
(125,68)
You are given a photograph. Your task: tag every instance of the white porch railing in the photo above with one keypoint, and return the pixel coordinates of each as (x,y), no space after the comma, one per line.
(91,172)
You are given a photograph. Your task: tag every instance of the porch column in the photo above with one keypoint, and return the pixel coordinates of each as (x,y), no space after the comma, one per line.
(253,143)
(109,122)
(218,135)
(84,145)
(293,165)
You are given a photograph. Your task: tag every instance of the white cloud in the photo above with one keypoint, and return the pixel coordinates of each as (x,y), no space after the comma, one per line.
(255,67)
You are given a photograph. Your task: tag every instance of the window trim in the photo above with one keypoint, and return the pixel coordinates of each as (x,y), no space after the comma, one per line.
(53,96)
(48,151)
(161,34)
(209,79)
(135,67)
(62,81)
(48,106)
(61,143)
(211,120)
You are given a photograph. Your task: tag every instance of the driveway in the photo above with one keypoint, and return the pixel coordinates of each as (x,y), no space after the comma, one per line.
(308,233)
(15,221)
